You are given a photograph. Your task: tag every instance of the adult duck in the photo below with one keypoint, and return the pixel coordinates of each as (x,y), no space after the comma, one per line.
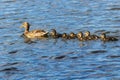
(33,33)
(109,38)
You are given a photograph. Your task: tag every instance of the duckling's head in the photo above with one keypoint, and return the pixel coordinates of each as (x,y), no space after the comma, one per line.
(53,32)
(79,34)
(72,35)
(103,36)
(64,35)
(87,33)
(25,25)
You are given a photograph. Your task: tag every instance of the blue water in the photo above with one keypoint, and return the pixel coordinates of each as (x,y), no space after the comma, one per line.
(55,59)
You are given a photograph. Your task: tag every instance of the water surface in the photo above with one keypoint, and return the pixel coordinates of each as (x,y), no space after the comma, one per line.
(52,59)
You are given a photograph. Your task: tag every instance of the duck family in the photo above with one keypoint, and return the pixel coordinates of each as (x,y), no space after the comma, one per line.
(39,33)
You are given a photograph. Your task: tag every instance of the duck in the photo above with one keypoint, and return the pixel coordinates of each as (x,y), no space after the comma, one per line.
(72,35)
(109,38)
(65,36)
(54,34)
(88,36)
(34,33)
(80,36)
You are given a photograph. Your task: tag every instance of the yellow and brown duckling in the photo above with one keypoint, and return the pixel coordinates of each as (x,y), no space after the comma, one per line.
(80,36)
(54,34)
(33,33)
(104,38)
(88,36)
(65,36)
(72,35)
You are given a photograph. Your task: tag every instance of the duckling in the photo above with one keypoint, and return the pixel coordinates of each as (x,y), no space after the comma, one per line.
(65,36)
(88,36)
(72,35)
(80,36)
(33,33)
(110,38)
(54,34)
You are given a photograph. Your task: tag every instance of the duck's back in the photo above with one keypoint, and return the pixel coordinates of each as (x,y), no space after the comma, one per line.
(36,34)
(112,39)
(95,37)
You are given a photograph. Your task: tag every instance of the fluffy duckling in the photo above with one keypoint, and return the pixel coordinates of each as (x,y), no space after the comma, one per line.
(54,34)
(80,36)
(88,36)
(65,36)
(104,38)
(72,35)
(33,33)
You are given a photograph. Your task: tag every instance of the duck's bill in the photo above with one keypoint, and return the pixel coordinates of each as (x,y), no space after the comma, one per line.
(47,32)
(21,26)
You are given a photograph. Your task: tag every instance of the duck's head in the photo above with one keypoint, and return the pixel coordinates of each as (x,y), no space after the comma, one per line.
(79,34)
(25,25)
(87,33)
(103,36)
(53,32)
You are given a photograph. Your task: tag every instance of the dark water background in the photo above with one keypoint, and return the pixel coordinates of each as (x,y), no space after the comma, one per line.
(56,59)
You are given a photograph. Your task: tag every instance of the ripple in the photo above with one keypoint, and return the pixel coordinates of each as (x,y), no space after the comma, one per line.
(44,57)
(100,31)
(11,64)
(9,1)
(115,9)
(113,56)
(74,57)
(77,57)
(60,57)
(98,51)
(9,69)
(99,75)
(117,46)
(69,53)
(13,52)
